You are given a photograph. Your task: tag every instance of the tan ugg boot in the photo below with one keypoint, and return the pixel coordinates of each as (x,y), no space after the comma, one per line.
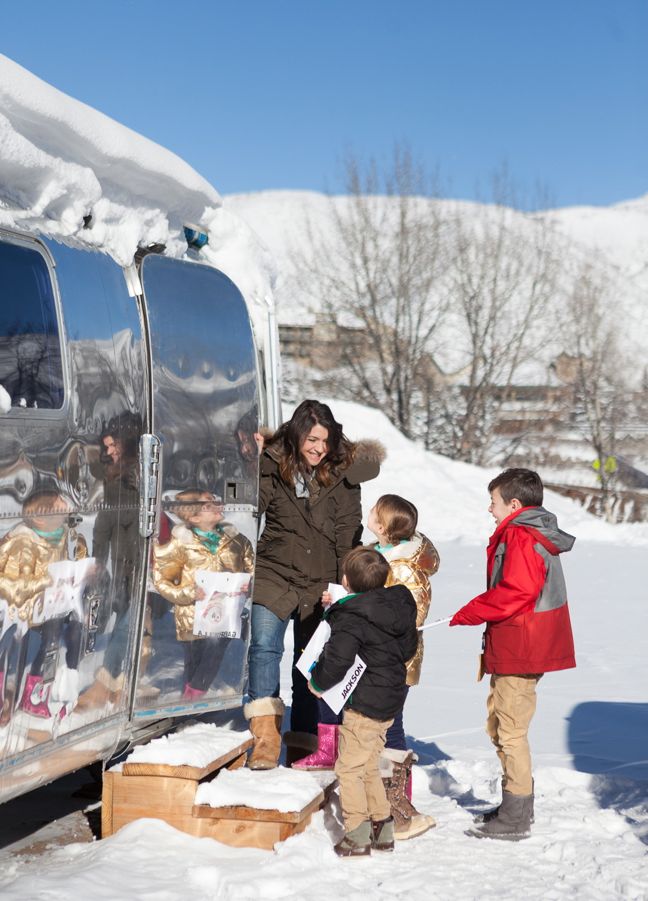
(104,690)
(264,716)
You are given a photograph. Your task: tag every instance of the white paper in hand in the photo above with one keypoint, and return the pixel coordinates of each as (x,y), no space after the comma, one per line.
(218,615)
(313,649)
(336,591)
(65,594)
(337,696)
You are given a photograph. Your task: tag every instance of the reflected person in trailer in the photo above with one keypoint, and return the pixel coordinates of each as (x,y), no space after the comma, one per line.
(26,554)
(115,544)
(203,543)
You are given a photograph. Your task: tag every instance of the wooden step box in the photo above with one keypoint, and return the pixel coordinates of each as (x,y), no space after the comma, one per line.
(167,793)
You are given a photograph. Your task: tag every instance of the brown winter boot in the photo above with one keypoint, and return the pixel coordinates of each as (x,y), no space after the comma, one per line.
(408,822)
(264,716)
(105,689)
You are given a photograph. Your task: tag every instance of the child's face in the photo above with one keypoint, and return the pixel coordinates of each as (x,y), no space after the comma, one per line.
(499,508)
(374,526)
(206,514)
(54,519)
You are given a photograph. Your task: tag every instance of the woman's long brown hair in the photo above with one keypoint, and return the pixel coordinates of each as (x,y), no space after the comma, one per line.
(290,436)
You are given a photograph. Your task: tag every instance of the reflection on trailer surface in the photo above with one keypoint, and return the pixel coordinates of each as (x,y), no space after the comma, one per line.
(128,493)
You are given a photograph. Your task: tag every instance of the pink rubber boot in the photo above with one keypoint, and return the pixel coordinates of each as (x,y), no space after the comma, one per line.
(35,695)
(192,694)
(327,749)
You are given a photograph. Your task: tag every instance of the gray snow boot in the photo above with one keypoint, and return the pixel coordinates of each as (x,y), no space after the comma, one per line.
(493,812)
(356,843)
(513,820)
(382,834)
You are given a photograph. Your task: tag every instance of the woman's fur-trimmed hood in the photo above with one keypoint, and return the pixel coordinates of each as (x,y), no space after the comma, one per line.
(368,457)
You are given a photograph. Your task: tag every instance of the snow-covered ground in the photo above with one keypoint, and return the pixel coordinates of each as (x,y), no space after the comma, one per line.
(589,739)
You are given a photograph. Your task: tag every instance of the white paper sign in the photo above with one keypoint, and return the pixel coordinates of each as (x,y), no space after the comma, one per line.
(65,594)
(313,649)
(337,696)
(8,618)
(336,591)
(218,615)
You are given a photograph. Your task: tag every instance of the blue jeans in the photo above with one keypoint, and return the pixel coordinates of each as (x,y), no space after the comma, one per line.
(395,738)
(266,651)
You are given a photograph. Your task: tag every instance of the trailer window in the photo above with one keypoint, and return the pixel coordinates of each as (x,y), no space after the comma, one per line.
(30,349)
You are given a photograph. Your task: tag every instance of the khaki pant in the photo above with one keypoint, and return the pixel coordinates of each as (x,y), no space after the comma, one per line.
(511,704)
(362,793)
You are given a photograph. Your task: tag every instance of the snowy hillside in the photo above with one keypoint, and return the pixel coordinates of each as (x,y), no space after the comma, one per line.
(588,741)
(612,239)
(620,232)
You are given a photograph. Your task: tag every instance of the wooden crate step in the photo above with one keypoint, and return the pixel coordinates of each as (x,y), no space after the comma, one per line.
(235,756)
(128,798)
(168,792)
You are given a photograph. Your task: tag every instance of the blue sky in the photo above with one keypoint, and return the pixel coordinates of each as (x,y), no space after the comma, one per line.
(273,94)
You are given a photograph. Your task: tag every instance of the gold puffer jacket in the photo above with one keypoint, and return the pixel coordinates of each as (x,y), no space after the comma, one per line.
(411,564)
(24,559)
(175,565)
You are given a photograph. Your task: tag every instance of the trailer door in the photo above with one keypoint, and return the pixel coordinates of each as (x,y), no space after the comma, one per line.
(205,414)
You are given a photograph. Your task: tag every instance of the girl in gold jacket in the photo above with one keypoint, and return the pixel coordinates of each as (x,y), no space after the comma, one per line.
(203,542)
(412,560)
(25,555)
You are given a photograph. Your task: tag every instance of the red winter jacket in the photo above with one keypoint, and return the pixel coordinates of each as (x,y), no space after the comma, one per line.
(525,607)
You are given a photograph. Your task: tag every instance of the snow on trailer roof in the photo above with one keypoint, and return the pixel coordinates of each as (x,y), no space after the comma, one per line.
(62,161)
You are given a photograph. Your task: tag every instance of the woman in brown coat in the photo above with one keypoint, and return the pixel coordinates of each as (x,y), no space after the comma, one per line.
(310,477)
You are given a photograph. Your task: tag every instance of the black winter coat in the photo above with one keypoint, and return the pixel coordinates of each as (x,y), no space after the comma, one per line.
(380,626)
(305,539)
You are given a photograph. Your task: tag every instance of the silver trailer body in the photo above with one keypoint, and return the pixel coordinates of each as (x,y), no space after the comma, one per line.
(126,389)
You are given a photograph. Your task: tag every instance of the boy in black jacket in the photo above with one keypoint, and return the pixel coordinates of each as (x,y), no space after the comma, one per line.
(378,624)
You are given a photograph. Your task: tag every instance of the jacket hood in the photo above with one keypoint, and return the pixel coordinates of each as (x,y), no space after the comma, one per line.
(368,458)
(546,525)
(383,607)
(419,546)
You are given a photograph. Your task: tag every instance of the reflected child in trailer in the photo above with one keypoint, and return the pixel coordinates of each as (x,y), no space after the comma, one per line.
(26,554)
(202,543)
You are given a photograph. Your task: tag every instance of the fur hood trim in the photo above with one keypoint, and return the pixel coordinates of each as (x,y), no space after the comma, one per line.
(405,549)
(368,450)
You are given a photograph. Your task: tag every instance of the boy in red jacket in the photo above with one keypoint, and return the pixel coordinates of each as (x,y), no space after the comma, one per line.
(528,633)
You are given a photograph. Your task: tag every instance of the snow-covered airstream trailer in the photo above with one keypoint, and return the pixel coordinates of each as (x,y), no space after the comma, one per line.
(130,398)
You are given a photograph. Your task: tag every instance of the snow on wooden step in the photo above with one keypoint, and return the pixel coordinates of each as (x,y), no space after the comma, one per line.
(279,789)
